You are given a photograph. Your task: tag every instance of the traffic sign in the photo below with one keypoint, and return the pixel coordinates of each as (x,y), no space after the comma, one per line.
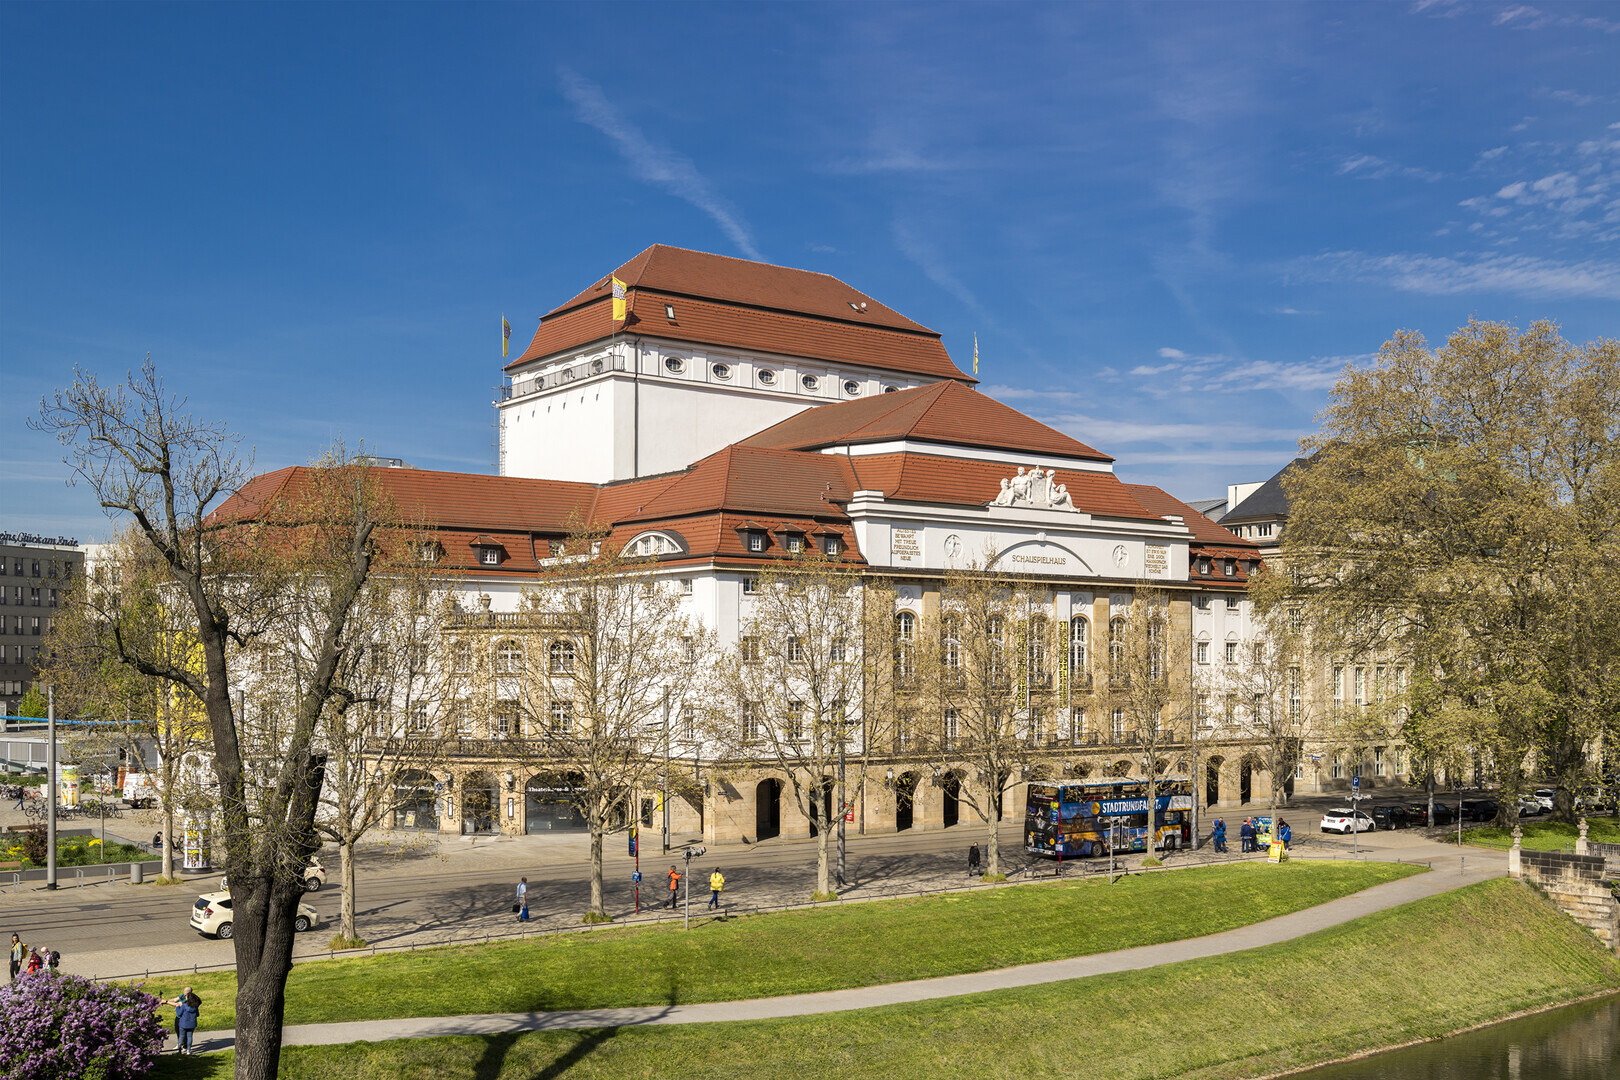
(1355,783)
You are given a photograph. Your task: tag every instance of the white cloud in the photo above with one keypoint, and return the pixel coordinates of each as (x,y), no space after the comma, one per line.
(1521,275)
(1493,153)
(665,168)
(1171,354)
(1369,167)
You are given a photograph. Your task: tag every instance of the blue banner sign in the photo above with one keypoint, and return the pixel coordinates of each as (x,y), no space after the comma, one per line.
(1111,807)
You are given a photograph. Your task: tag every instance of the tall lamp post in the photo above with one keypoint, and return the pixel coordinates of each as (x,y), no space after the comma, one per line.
(50,787)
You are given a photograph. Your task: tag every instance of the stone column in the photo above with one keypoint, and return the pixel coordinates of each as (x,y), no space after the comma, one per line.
(1515,867)
(1580,842)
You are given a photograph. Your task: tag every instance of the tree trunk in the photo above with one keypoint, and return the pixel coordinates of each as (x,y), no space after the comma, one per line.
(346,853)
(168,842)
(992,846)
(597,907)
(823,828)
(264,944)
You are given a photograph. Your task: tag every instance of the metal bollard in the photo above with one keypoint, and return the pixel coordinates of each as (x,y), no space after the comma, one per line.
(79,879)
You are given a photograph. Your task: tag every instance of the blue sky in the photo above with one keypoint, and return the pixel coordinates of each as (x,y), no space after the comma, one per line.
(1170,225)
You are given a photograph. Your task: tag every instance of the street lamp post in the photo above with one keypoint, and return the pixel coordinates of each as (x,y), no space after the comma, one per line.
(50,787)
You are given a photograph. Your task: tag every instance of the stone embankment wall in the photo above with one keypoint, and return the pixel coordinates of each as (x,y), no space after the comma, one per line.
(1576,883)
(1610,854)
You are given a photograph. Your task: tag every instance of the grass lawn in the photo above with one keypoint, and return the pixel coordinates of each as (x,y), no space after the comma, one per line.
(1414,972)
(799,951)
(1546,835)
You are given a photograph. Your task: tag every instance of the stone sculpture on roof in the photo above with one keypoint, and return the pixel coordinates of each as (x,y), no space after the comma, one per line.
(1037,488)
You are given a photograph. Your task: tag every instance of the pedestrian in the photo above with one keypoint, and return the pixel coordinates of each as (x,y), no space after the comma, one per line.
(973,861)
(35,962)
(674,884)
(185,1019)
(523,899)
(717,884)
(22,793)
(1246,836)
(1218,834)
(53,960)
(1284,833)
(157,841)
(18,951)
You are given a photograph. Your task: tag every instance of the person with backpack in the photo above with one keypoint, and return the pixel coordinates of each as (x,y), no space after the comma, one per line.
(523,900)
(186,1009)
(18,952)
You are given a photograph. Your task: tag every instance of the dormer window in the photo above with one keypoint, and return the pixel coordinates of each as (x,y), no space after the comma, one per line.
(756,541)
(490,551)
(852,388)
(810,383)
(1203,566)
(794,544)
(1231,567)
(721,371)
(830,546)
(767,378)
(429,552)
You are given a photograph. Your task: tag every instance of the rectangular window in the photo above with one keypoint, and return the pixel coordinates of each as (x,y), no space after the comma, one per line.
(795,544)
(793,722)
(1400,761)
(795,650)
(51,600)
(836,652)
(1201,603)
(1296,619)
(1203,567)
(36,568)
(1230,569)
(1361,686)
(1378,761)
(562,717)
(953,721)
(830,546)
(752,731)
(1203,658)
(688,723)
(686,586)
(1119,728)
(1265,530)
(1201,707)
(688,649)
(1338,687)
(33,597)
(1338,767)
(748,649)
(419,717)
(33,625)
(1380,687)
(1231,657)
(1296,708)
(490,556)
(1232,603)
(756,541)
(750,585)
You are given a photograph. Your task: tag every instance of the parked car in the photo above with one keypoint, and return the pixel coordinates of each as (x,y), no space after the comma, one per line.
(1530,806)
(211,914)
(1544,796)
(1390,816)
(1344,820)
(1479,809)
(1417,814)
(314,877)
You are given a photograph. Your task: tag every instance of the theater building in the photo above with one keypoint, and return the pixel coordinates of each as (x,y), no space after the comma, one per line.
(740,413)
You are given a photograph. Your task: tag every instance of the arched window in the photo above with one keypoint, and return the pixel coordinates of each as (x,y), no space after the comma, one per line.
(508,657)
(1116,648)
(950,634)
(560,657)
(1035,651)
(905,643)
(1155,643)
(1078,670)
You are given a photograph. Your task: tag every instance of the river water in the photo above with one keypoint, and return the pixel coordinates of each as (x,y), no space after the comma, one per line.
(1580,1042)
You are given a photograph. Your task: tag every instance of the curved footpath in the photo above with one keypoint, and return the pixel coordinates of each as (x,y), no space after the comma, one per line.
(1446,875)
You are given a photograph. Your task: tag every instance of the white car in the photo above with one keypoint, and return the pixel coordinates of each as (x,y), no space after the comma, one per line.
(211,914)
(314,876)
(1544,796)
(1344,820)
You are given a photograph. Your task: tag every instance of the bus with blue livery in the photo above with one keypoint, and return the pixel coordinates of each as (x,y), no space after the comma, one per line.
(1083,818)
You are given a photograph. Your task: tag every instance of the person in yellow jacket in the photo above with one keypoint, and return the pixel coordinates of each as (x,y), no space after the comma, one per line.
(717,884)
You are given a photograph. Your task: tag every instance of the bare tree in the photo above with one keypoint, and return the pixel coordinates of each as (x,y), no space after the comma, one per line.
(1263,697)
(230,569)
(601,656)
(798,677)
(1148,679)
(979,665)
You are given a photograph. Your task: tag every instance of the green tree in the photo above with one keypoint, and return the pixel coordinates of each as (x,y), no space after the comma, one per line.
(1461,508)
(33,704)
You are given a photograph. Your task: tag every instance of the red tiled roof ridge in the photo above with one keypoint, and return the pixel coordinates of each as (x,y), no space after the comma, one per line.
(1204,530)
(633,273)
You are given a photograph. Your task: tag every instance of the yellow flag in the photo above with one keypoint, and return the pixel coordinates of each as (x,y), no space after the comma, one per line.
(975,354)
(618,300)
(506,336)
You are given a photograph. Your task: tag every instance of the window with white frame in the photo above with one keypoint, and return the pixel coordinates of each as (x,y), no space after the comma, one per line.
(562,717)
(756,541)
(1296,707)
(836,650)
(905,640)
(560,657)
(1201,650)
(688,727)
(1077,725)
(1229,567)
(419,717)
(505,719)
(950,634)
(750,585)
(1116,648)
(793,721)
(1361,686)
(1078,637)
(831,546)
(795,649)
(686,586)
(1338,687)
(464,722)
(752,727)
(508,657)
(1119,727)
(748,648)
(1035,651)
(1378,761)
(1338,766)
(1201,602)
(1232,603)
(953,721)
(996,631)
(1231,652)
(794,544)
(1400,761)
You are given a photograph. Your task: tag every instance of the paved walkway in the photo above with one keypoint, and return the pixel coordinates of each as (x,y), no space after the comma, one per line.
(1447,874)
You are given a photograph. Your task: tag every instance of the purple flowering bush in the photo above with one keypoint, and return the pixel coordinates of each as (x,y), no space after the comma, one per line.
(63,1027)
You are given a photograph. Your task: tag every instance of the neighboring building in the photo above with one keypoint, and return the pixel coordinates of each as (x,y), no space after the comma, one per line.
(744,413)
(1259,511)
(35,571)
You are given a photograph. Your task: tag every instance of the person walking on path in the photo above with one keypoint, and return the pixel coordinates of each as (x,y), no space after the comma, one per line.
(18,951)
(22,793)
(973,861)
(1284,833)
(35,962)
(1218,834)
(674,886)
(717,884)
(1246,834)
(523,899)
(186,1007)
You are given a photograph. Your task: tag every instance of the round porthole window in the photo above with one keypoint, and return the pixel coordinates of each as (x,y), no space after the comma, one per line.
(722,371)
(674,365)
(852,388)
(810,382)
(767,378)
(892,389)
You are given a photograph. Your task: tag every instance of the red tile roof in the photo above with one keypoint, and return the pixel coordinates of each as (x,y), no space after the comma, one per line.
(944,412)
(929,479)
(1204,530)
(749,306)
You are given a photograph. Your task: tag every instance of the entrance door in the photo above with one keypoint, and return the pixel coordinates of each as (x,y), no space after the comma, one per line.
(1212,783)
(768,809)
(1245,782)
(905,793)
(953,799)
(480,804)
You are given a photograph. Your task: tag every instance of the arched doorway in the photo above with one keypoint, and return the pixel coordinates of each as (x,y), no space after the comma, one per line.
(1245,781)
(416,804)
(480,804)
(905,796)
(768,809)
(1212,781)
(952,786)
(549,804)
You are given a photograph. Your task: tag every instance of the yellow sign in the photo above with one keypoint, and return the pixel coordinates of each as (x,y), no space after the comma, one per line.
(1277,853)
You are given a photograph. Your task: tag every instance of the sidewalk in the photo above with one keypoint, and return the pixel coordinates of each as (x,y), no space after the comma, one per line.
(1448,874)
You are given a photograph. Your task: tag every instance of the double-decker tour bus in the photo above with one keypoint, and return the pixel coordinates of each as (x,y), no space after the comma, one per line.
(1094,817)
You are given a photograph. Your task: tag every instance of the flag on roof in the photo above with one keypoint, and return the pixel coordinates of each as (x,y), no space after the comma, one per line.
(506,336)
(618,300)
(975,354)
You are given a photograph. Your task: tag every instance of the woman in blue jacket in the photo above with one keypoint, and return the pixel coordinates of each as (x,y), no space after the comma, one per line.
(185,1018)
